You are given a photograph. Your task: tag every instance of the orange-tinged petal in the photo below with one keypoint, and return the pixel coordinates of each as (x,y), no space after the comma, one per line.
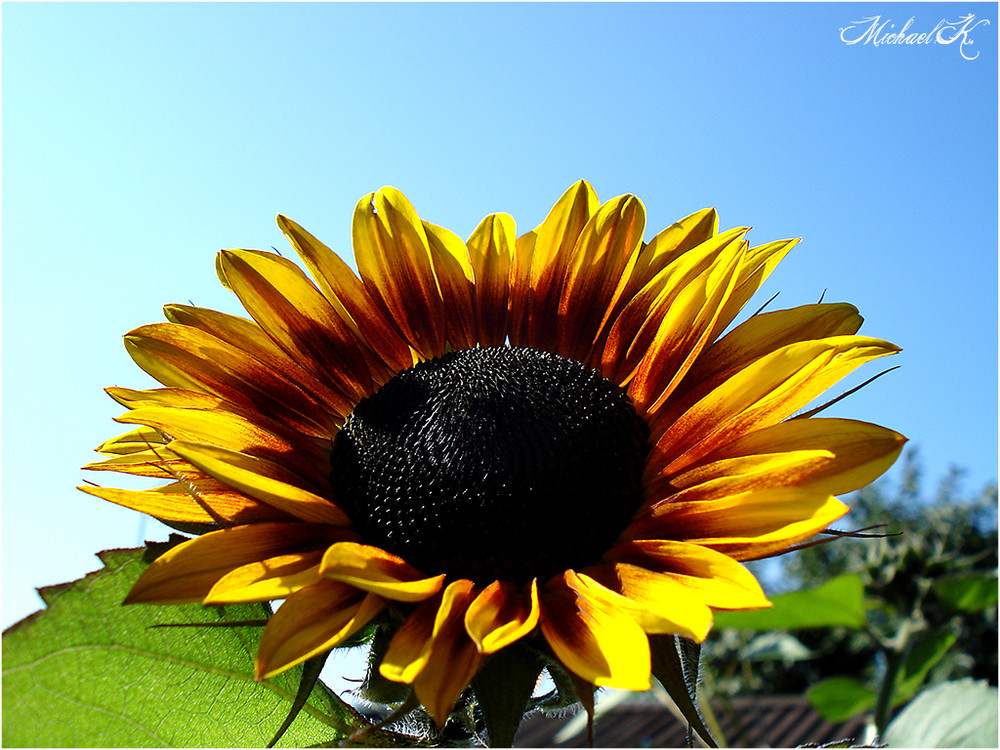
(187,572)
(132,398)
(453,660)
(394,260)
(685,280)
(716,579)
(196,500)
(599,643)
(555,240)
(189,358)
(767,332)
(234,432)
(267,580)
(659,603)
(760,395)
(311,621)
(348,295)
(299,319)
(745,526)
(240,332)
(730,476)
(410,647)
(491,252)
(669,244)
(502,614)
(861,451)
(521,294)
(432,650)
(375,570)
(759,263)
(265,480)
(249,337)
(685,330)
(139,440)
(453,269)
(593,282)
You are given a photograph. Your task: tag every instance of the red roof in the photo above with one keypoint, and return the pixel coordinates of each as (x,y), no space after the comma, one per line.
(764,721)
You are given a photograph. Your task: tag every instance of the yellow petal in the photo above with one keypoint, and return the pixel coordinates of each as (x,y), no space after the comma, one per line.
(395,262)
(593,282)
(267,580)
(132,399)
(299,319)
(379,572)
(157,461)
(196,500)
(265,480)
(759,263)
(553,247)
(685,329)
(234,432)
(188,358)
(767,332)
(716,579)
(659,603)
(347,293)
(862,452)
(491,252)
(410,647)
(453,269)
(760,395)
(670,243)
(453,660)
(311,621)
(745,526)
(678,291)
(502,614)
(187,572)
(599,643)
(139,440)
(730,476)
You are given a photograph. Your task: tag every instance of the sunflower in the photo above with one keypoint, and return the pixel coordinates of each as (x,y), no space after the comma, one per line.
(547,440)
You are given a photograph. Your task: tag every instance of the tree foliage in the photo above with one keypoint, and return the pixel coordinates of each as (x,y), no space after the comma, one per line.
(930,592)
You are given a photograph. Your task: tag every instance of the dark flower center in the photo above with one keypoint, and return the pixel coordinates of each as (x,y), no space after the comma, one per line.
(499,463)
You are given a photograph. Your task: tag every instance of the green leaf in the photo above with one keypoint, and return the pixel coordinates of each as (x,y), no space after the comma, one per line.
(924,655)
(961,713)
(840,698)
(88,671)
(968,593)
(840,601)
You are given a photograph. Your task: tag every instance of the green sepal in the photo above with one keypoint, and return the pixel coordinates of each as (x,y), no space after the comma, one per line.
(153,550)
(310,674)
(197,529)
(377,688)
(503,688)
(564,694)
(585,692)
(675,666)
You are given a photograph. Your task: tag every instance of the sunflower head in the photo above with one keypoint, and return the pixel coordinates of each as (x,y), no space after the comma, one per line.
(455,458)
(507,453)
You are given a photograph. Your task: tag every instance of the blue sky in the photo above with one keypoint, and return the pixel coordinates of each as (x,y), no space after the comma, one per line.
(139,139)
